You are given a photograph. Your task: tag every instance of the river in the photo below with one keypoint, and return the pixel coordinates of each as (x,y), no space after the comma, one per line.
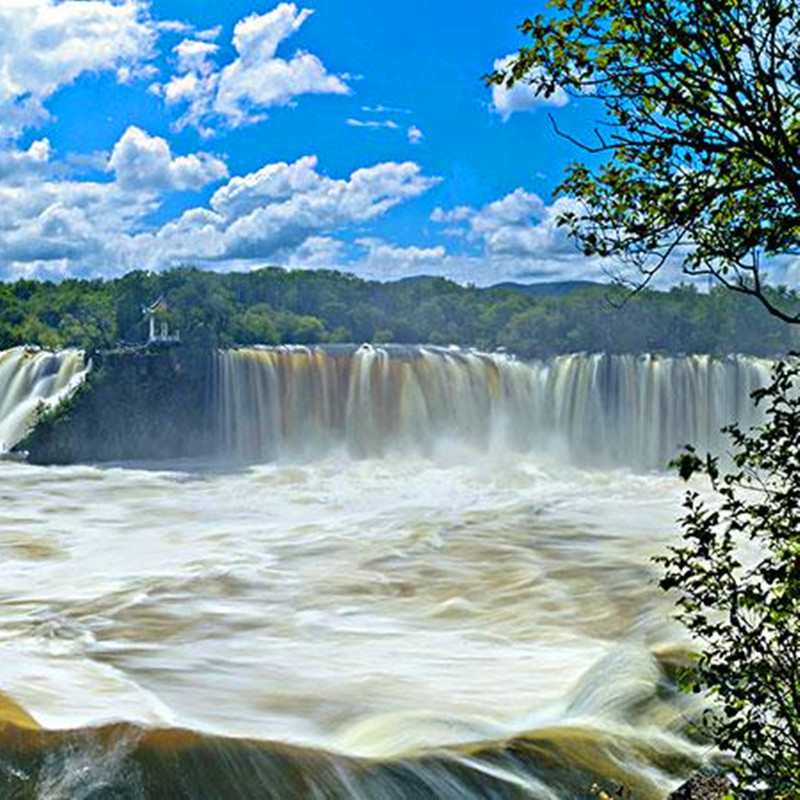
(466,622)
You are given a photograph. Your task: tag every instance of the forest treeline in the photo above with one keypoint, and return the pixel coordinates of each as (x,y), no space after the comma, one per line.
(273,305)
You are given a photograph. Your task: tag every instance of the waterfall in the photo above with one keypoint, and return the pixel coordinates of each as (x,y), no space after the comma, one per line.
(597,409)
(30,378)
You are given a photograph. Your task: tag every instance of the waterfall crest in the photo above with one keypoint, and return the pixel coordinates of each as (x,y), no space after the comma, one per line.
(597,409)
(30,377)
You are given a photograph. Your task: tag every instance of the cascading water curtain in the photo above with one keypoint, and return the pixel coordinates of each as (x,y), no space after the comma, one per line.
(634,411)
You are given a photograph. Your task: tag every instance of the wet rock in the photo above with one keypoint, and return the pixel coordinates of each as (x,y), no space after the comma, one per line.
(137,405)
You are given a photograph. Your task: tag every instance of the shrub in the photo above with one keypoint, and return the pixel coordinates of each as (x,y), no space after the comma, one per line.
(737,579)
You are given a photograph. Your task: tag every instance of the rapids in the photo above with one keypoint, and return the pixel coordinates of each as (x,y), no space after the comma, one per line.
(463,610)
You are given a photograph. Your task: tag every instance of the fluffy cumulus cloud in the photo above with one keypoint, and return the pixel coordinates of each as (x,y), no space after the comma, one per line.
(383,260)
(46,44)
(16,165)
(284,212)
(513,238)
(319,252)
(52,227)
(269,214)
(256,80)
(144,162)
(288,213)
(516,237)
(522,95)
(194,56)
(371,257)
(520,224)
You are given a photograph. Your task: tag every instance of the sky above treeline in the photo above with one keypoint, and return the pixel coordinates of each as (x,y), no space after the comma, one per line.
(349,135)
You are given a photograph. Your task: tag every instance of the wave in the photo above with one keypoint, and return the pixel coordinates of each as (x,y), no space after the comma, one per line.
(623,726)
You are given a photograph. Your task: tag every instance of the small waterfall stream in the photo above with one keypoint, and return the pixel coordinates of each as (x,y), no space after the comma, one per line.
(30,377)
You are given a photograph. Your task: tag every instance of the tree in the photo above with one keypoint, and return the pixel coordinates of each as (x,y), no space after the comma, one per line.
(737,577)
(700,131)
(257,325)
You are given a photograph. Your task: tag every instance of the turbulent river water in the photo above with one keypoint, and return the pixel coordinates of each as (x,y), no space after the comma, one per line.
(368,619)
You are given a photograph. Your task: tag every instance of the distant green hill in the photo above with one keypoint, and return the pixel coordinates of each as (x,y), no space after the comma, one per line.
(548,289)
(274,305)
(542,289)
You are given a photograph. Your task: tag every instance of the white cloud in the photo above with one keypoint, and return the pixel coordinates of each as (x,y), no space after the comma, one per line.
(517,237)
(519,224)
(298,191)
(209,34)
(284,212)
(381,109)
(174,26)
(377,259)
(415,135)
(518,209)
(181,89)
(270,213)
(288,213)
(372,123)
(281,210)
(385,261)
(185,29)
(52,227)
(256,80)
(273,183)
(457,214)
(127,74)
(16,164)
(194,56)
(522,95)
(45,44)
(369,257)
(318,252)
(144,162)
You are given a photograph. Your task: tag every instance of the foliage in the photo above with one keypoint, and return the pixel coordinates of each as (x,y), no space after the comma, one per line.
(273,305)
(737,578)
(700,130)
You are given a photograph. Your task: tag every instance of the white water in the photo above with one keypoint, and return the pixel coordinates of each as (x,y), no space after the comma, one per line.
(31,379)
(300,603)
(468,585)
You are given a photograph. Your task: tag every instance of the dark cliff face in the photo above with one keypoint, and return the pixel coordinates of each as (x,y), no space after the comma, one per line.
(135,405)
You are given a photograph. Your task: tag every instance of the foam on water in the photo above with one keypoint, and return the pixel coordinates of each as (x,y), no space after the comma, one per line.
(469,620)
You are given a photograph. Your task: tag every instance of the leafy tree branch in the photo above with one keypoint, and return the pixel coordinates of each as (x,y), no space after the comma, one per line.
(700,127)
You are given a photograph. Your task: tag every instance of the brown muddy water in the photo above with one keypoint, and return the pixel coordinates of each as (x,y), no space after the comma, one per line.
(470,620)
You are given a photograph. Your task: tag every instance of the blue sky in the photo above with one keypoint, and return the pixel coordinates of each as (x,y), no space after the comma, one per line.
(348,134)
